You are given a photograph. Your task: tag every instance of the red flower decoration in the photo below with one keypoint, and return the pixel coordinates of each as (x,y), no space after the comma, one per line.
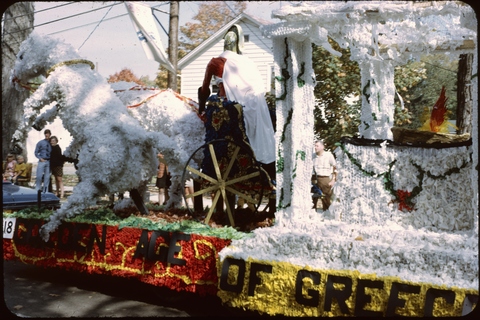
(74,248)
(402,197)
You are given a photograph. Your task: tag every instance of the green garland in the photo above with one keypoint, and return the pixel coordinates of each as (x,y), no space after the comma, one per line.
(285,74)
(302,156)
(387,176)
(280,161)
(300,81)
(280,201)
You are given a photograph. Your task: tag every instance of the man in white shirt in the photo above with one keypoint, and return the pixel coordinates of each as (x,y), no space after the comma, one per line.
(325,171)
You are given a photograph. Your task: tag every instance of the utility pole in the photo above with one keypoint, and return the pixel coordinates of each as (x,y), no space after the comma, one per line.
(173,44)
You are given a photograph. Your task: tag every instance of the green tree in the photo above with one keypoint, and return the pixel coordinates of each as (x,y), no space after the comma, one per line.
(146,80)
(161,80)
(211,16)
(438,70)
(337,109)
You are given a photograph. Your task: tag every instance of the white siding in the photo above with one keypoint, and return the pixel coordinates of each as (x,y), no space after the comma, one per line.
(258,49)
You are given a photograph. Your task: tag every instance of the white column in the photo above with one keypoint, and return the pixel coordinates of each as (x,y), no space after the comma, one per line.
(378,93)
(295,136)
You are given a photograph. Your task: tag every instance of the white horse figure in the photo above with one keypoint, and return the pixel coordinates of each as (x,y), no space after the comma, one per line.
(174,115)
(115,153)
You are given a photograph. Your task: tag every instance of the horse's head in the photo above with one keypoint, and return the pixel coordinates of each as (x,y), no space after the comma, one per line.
(37,54)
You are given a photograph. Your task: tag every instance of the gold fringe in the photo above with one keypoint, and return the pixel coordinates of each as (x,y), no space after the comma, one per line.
(70,62)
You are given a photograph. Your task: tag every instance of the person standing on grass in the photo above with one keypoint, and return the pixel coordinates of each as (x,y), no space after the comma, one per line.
(43,150)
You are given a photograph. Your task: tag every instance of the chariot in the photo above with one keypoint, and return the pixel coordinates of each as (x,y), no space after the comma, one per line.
(229,172)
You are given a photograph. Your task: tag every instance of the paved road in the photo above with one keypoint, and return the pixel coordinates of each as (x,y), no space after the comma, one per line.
(31,291)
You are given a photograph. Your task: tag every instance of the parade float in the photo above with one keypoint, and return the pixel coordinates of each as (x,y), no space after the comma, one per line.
(401,237)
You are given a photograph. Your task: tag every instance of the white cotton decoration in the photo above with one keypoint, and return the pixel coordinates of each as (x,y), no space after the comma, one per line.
(115,153)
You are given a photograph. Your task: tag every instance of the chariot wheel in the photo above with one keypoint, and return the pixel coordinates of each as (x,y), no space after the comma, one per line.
(228,170)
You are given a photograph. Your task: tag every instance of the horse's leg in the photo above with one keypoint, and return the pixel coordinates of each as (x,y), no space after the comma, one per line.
(138,200)
(47,116)
(84,195)
(31,109)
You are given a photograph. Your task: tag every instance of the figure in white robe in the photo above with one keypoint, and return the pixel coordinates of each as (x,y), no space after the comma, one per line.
(239,80)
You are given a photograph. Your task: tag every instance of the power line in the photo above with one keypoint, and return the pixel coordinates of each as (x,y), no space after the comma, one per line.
(112,18)
(46,9)
(160,23)
(437,66)
(96,27)
(76,15)
(88,24)
(64,18)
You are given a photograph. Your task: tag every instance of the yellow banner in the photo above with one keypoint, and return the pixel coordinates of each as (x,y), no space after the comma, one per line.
(282,288)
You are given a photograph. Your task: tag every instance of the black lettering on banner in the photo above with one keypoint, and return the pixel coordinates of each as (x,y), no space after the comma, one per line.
(26,236)
(152,245)
(430,297)
(64,236)
(362,299)
(174,249)
(313,295)
(142,246)
(340,295)
(77,237)
(94,237)
(74,239)
(394,301)
(236,287)
(254,278)
(147,248)
(27,233)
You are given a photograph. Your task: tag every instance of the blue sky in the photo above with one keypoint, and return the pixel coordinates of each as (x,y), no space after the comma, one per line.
(112,45)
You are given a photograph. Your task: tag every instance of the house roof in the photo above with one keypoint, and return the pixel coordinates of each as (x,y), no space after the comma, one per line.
(216,37)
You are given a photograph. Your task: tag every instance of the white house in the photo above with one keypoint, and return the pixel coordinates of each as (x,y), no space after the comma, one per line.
(256,47)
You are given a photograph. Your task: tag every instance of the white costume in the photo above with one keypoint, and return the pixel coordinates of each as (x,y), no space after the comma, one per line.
(243,84)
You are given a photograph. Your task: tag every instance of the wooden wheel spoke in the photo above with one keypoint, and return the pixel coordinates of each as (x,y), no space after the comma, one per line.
(232,161)
(242,195)
(215,162)
(242,178)
(219,181)
(199,192)
(214,203)
(201,174)
(229,210)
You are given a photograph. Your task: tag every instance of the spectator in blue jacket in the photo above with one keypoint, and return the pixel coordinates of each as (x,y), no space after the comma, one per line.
(43,150)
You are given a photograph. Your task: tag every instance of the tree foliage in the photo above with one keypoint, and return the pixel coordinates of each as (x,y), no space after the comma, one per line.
(211,17)
(437,70)
(161,80)
(125,75)
(338,107)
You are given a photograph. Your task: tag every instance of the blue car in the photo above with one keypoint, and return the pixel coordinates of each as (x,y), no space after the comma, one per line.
(18,197)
